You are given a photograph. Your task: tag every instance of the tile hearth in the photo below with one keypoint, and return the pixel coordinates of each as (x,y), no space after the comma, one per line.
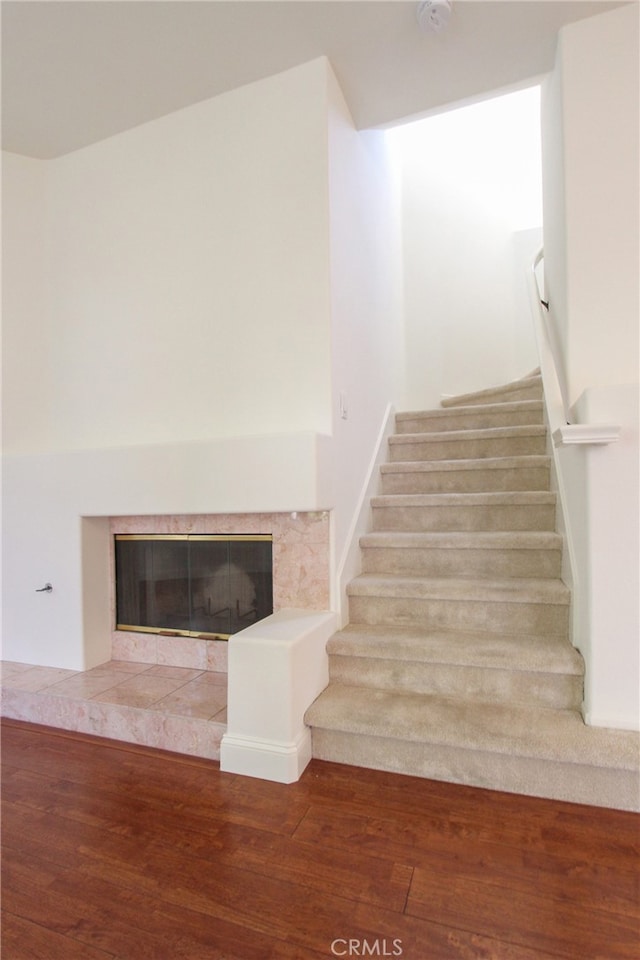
(172,708)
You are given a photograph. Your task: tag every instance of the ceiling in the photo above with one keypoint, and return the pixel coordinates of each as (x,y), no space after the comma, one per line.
(76,72)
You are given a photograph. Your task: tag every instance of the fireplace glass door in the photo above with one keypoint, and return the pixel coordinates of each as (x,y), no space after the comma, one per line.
(192,585)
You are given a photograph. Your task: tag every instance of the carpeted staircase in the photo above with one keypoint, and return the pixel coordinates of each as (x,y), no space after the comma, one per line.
(456,663)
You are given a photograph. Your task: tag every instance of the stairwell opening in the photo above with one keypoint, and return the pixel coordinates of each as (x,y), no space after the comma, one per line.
(470,185)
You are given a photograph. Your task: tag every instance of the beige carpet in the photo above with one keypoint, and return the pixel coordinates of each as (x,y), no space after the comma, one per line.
(456,663)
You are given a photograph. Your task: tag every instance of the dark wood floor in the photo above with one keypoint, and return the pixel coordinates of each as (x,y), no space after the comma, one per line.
(115,851)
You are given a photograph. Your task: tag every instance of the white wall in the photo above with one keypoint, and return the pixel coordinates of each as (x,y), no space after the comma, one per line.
(366,331)
(170,278)
(200,290)
(591,162)
(470,180)
(26,333)
(167,325)
(599,80)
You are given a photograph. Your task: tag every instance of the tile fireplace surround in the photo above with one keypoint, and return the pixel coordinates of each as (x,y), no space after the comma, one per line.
(175,720)
(300,577)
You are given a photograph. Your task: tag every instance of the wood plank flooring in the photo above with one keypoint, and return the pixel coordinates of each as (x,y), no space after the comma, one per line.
(118,852)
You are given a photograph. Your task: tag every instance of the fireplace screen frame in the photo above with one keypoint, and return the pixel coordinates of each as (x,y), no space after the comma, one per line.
(176,631)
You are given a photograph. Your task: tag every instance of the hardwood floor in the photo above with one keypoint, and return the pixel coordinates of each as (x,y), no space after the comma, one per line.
(117,851)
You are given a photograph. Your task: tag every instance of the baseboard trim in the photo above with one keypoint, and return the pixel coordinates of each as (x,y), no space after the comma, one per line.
(612,723)
(266,759)
(350,564)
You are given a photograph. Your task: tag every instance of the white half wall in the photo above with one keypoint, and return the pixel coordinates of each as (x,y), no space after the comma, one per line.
(612,560)
(276,670)
(591,158)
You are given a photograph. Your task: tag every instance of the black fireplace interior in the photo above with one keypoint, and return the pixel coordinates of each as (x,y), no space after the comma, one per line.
(193,585)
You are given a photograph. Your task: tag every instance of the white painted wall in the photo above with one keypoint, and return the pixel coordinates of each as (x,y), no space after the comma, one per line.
(590,114)
(470,181)
(366,327)
(167,325)
(171,280)
(26,333)
(598,81)
(197,293)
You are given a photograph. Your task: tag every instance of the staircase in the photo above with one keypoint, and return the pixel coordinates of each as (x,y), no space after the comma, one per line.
(456,664)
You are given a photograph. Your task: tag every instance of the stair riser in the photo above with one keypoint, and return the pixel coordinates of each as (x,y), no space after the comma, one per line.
(469,421)
(557,691)
(466,481)
(532,392)
(500,617)
(512,517)
(465,449)
(432,562)
(574,782)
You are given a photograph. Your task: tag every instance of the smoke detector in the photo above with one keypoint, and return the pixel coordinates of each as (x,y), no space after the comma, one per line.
(433,15)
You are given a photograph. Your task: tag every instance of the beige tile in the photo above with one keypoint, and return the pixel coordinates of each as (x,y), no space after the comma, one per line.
(217,655)
(9,668)
(182,652)
(173,673)
(194,699)
(212,678)
(141,647)
(38,678)
(138,691)
(123,666)
(84,686)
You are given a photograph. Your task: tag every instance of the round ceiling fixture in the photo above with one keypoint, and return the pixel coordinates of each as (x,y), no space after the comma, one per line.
(433,15)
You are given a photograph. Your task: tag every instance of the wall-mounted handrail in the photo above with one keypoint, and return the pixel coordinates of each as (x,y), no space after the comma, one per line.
(548,343)
(552,368)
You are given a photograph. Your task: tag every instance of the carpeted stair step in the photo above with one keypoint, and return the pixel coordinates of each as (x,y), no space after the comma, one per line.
(454,512)
(493,555)
(467,476)
(529,388)
(469,444)
(546,671)
(523,413)
(512,747)
(505,606)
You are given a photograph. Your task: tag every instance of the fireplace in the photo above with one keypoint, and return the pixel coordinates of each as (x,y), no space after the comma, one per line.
(208,586)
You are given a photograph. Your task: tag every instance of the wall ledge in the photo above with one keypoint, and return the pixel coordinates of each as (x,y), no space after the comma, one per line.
(593,434)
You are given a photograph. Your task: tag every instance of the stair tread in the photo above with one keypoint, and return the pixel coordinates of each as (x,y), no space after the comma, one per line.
(514,406)
(541,654)
(516,497)
(513,729)
(481,433)
(476,463)
(506,389)
(482,540)
(515,590)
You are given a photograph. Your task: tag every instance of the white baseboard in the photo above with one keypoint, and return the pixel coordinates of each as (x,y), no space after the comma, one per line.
(612,723)
(267,760)
(349,565)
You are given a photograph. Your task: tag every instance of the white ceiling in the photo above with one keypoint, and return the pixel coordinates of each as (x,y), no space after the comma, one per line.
(76,72)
